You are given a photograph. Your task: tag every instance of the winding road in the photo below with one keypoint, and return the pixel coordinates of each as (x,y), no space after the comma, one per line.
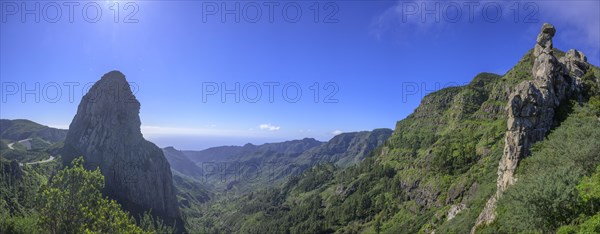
(42,161)
(39,162)
(28,146)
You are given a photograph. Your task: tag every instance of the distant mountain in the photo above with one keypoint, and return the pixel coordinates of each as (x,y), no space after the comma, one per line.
(181,163)
(106,132)
(347,148)
(21,129)
(27,141)
(251,166)
(219,153)
(228,167)
(511,153)
(237,153)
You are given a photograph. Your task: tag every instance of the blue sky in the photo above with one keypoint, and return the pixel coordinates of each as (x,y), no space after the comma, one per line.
(373,60)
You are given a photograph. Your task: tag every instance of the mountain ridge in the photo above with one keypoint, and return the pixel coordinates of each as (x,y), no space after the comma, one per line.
(434,174)
(20,129)
(274,162)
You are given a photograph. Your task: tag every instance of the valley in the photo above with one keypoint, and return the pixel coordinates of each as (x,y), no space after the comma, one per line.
(506,153)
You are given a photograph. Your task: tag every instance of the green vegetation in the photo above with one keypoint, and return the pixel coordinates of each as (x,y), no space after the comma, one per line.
(29,141)
(151,224)
(554,186)
(18,191)
(20,129)
(434,173)
(443,156)
(24,155)
(72,203)
(589,192)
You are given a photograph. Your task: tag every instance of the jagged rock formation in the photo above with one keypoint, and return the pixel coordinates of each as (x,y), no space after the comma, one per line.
(106,132)
(531,109)
(575,66)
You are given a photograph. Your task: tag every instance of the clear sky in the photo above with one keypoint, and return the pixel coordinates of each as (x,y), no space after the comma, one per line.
(373,60)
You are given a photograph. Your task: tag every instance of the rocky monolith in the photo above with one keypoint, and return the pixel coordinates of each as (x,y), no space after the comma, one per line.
(106,132)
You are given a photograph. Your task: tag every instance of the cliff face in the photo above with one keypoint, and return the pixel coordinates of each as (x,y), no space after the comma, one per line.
(532,106)
(106,132)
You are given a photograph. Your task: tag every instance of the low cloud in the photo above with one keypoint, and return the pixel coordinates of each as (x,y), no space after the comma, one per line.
(336,132)
(269,127)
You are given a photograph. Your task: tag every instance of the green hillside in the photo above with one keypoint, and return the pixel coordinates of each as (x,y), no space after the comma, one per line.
(435,172)
(20,129)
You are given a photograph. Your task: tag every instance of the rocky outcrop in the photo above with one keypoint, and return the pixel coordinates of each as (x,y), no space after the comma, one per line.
(575,66)
(531,109)
(454,210)
(106,132)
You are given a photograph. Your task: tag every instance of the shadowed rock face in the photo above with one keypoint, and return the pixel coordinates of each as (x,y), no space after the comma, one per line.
(106,132)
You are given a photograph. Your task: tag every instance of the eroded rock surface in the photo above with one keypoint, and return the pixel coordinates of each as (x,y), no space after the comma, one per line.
(106,132)
(531,109)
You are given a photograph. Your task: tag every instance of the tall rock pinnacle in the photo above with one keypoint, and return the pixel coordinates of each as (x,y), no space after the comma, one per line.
(106,132)
(531,109)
